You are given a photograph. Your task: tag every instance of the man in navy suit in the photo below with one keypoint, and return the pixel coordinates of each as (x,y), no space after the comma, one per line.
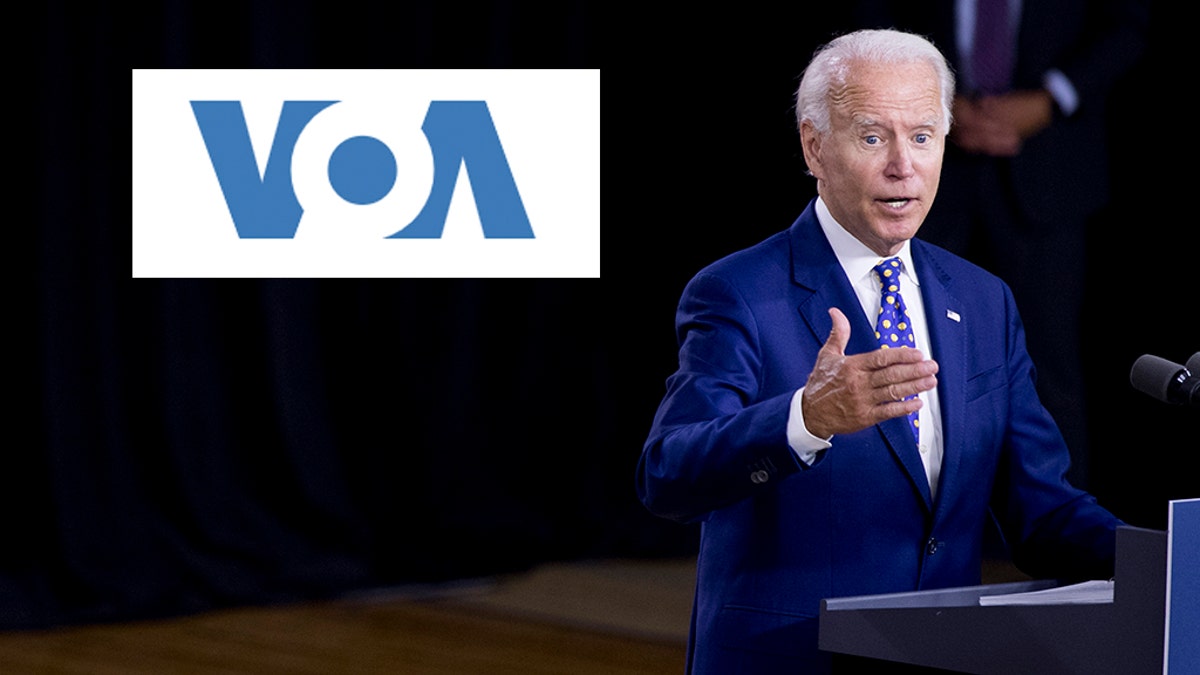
(785,429)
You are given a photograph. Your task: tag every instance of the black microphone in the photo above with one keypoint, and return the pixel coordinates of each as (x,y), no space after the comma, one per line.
(1167,381)
(1193,364)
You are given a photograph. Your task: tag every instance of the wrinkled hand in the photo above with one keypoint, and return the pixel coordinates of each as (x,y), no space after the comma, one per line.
(999,125)
(848,393)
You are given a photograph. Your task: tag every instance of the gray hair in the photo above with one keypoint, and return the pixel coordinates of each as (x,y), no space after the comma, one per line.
(830,65)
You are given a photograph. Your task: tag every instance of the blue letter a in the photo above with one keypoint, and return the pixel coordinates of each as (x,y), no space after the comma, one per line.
(264,208)
(462,133)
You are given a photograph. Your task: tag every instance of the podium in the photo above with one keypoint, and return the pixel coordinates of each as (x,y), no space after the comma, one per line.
(1150,626)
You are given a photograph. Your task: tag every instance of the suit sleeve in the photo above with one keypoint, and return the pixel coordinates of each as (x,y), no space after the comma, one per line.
(1055,530)
(1111,38)
(714,440)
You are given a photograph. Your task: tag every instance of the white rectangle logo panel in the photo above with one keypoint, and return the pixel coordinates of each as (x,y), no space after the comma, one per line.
(366,173)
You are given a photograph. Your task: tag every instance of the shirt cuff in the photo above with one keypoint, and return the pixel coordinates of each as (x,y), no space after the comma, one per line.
(1062,91)
(804,444)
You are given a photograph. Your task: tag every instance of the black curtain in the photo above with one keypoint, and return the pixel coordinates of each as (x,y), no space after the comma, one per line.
(201,443)
(180,445)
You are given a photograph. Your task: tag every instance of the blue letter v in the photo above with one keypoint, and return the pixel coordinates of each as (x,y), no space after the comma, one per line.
(264,208)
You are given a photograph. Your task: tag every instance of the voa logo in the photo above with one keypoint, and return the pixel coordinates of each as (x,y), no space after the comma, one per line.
(366,173)
(363,169)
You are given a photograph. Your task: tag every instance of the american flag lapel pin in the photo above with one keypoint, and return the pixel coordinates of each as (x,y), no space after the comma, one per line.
(953,315)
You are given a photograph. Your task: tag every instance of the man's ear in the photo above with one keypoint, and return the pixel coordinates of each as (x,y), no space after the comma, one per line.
(810,143)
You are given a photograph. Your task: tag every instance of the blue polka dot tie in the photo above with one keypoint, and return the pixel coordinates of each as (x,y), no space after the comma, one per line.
(892,328)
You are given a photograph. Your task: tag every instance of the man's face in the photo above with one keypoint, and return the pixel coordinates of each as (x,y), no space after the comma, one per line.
(878,167)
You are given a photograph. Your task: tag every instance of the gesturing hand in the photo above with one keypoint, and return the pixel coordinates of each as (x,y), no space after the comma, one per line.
(848,393)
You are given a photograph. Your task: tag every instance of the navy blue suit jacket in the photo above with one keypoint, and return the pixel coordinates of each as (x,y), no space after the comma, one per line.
(777,535)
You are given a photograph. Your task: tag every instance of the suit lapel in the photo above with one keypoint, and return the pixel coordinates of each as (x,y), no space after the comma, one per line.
(822,282)
(948,330)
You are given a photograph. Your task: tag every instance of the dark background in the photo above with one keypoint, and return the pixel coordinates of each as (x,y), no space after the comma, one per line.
(181,445)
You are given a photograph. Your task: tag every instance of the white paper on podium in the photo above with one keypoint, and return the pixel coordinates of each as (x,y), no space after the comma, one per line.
(1085,593)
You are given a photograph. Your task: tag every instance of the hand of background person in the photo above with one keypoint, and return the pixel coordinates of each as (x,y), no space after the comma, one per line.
(849,393)
(998,125)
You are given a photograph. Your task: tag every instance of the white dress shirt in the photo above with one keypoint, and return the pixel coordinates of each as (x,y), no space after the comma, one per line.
(858,262)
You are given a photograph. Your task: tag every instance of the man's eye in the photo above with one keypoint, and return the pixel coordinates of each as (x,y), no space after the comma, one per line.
(871,140)
(922,138)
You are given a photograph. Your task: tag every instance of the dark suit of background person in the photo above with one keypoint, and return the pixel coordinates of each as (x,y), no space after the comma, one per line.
(1026,216)
(778,534)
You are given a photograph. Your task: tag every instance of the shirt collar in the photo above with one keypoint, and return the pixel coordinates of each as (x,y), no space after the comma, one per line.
(857,260)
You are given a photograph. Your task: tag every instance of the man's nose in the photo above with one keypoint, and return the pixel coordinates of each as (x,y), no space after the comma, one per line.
(900,164)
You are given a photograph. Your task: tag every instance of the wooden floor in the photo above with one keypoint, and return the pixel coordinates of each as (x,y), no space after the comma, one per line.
(585,618)
(610,617)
